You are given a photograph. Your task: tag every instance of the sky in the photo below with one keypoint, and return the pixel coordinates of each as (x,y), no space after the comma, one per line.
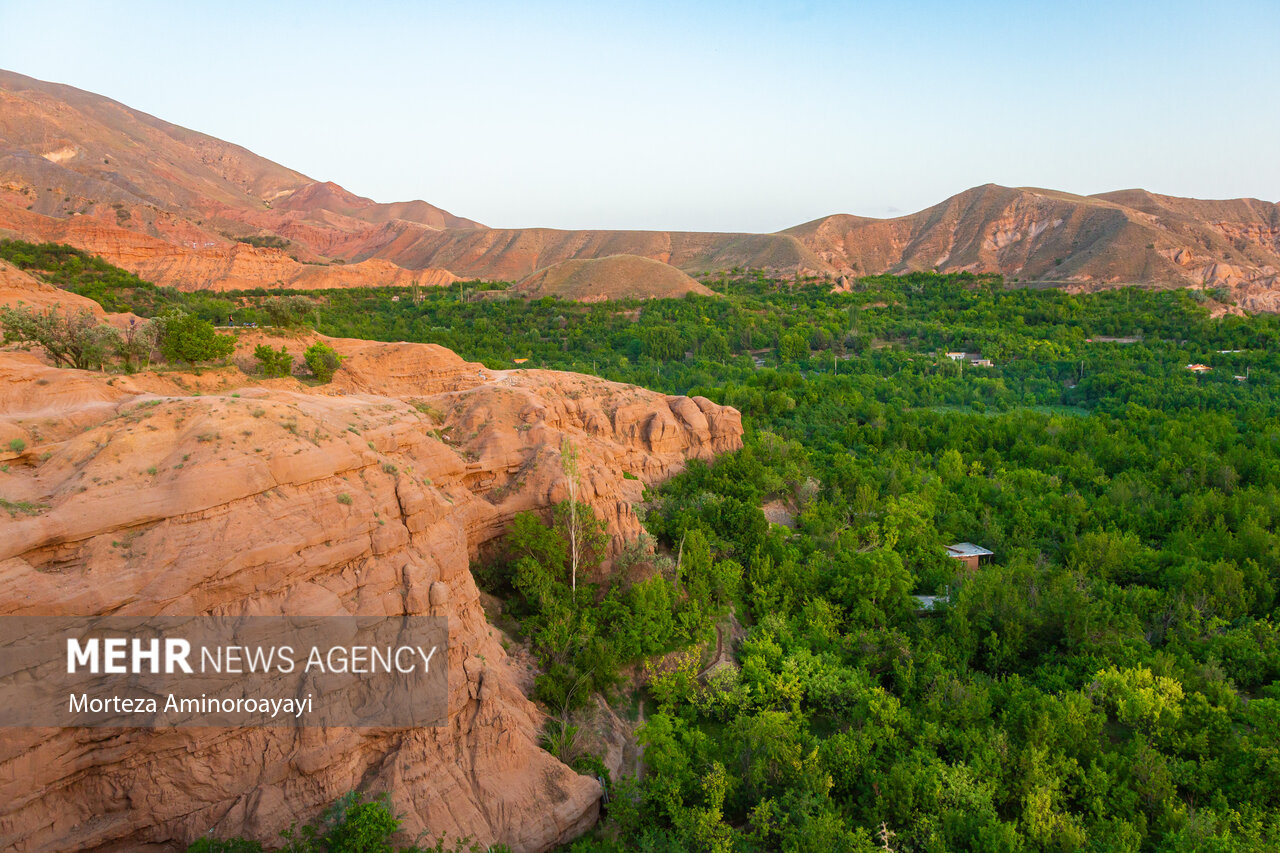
(749,116)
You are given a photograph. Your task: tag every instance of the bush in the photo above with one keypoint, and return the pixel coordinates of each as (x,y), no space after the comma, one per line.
(273,363)
(322,360)
(17,445)
(351,825)
(187,338)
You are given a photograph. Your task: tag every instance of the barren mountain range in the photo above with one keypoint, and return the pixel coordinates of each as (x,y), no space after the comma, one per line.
(169,203)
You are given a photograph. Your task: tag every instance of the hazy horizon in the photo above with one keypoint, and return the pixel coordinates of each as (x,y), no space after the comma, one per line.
(663,117)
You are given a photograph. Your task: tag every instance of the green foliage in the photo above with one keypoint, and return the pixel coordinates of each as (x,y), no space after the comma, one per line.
(352,824)
(792,346)
(187,338)
(322,361)
(273,363)
(134,344)
(79,272)
(560,738)
(287,311)
(1106,683)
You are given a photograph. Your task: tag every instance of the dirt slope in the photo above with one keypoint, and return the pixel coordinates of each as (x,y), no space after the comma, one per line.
(225,265)
(611,277)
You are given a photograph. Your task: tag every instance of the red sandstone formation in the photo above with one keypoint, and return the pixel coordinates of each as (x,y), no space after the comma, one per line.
(179,494)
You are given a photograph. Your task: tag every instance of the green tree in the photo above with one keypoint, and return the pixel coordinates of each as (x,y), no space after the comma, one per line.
(273,363)
(71,338)
(663,343)
(288,311)
(187,338)
(792,347)
(322,360)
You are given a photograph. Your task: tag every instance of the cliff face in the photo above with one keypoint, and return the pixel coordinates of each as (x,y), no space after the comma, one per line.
(188,495)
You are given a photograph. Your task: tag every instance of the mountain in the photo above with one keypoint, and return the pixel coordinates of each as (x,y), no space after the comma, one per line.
(169,203)
(1028,234)
(513,253)
(611,277)
(71,156)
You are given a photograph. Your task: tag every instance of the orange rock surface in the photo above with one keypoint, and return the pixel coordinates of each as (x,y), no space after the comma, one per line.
(181,494)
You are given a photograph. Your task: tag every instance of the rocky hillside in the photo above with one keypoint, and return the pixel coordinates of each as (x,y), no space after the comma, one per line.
(67,154)
(512,253)
(1034,235)
(167,203)
(183,494)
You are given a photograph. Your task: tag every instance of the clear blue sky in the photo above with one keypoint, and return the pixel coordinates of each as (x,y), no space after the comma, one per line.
(725,116)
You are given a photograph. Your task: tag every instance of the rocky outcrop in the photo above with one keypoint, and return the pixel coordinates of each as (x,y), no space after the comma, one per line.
(183,495)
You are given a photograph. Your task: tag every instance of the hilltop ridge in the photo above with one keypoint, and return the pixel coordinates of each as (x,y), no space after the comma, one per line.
(193,211)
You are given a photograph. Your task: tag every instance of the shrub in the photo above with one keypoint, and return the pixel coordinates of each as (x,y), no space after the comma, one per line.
(273,363)
(17,445)
(187,338)
(560,738)
(322,360)
(351,825)
(265,241)
(344,499)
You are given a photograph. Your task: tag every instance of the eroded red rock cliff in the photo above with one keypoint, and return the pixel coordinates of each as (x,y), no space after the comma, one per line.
(187,494)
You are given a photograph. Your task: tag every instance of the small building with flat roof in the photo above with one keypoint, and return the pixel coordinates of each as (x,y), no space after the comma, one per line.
(969,554)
